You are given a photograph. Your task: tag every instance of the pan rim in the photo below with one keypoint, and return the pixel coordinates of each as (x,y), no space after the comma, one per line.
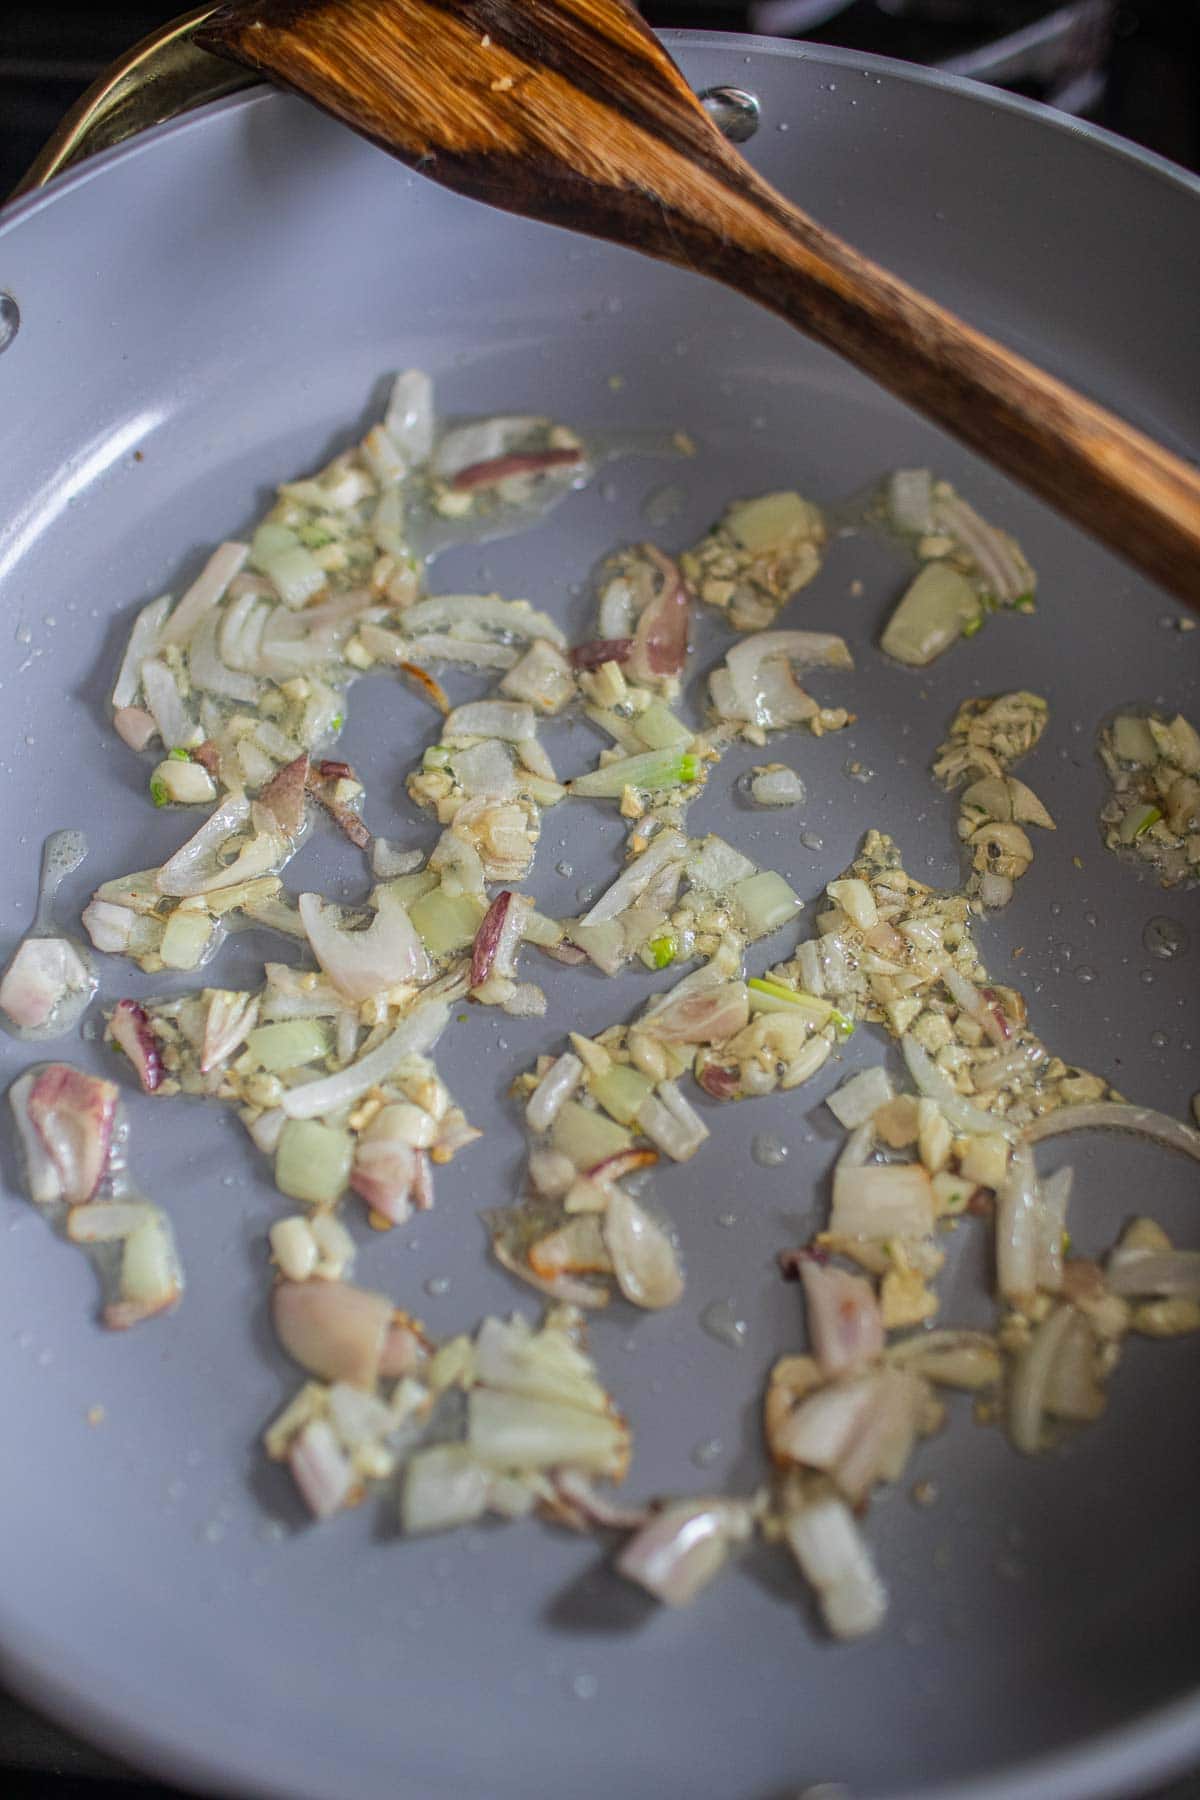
(16,212)
(1113,1764)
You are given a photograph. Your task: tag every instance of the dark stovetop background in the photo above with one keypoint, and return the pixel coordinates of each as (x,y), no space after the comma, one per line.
(1132,65)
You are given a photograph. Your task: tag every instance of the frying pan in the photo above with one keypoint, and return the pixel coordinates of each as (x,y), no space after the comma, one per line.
(212,308)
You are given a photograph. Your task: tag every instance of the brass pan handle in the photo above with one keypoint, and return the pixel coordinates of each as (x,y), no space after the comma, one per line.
(158,79)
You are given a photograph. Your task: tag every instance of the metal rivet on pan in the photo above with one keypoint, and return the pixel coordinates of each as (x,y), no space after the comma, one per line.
(10,319)
(733,111)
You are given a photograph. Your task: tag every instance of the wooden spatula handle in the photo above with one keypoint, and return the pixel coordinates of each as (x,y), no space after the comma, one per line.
(571,111)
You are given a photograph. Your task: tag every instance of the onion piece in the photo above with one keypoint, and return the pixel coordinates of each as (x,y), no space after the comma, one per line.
(511,720)
(333,1330)
(708,1015)
(563,1288)
(845,1325)
(129,1028)
(966,1119)
(361,964)
(861,1097)
(760,700)
(643,1256)
(487,612)
(498,939)
(226,561)
(959,1359)
(143,641)
(881,1201)
(556,1086)
(178,875)
(42,973)
(777,787)
(383,1171)
(670,845)
(209,674)
(671,1123)
(544,1364)
(1018,1222)
(444,1486)
(415,1035)
(660,638)
(681,1548)
(1114,1115)
(151,1280)
(320,1469)
(134,726)
(408,420)
(74,1117)
(284,795)
(1027,1396)
(164,702)
(1165,1273)
(834,1557)
(515,1431)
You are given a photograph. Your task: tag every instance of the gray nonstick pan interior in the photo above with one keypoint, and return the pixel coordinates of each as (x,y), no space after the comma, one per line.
(214,309)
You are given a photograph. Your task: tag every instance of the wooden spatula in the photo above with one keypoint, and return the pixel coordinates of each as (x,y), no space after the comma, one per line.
(572,112)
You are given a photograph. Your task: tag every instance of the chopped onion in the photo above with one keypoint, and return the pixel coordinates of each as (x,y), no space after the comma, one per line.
(545,1365)
(514,1431)
(387,862)
(834,1557)
(1111,1115)
(960,1359)
(1018,1228)
(486,612)
(226,561)
(162,697)
(511,720)
(208,673)
(129,1028)
(1055,1192)
(39,978)
(333,1330)
(416,1034)
(320,1470)
(74,1117)
(706,1015)
(408,420)
(860,1098)
(910,500)
(930,615)
(844,1322)
(143,641)
(661,637)
(444,1486)
(1006,1066)
(763,689)
(482,439)
(134,726)
(671,1123)
(643,1256)
(150,1280)
(180,874)
(777,787)
(1159,1272)
(1027,1397)
(1004,570)
(882,1201)
(669,846)
(557,1085)
(966,1119)
(681,1548)
(361,964)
